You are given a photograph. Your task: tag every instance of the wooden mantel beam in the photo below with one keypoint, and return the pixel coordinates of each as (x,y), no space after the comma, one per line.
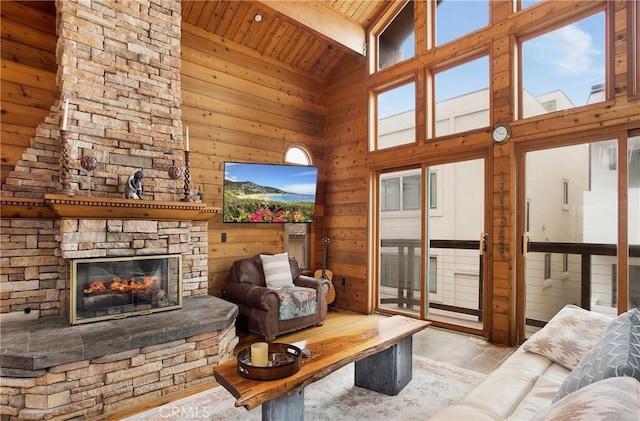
(322,20)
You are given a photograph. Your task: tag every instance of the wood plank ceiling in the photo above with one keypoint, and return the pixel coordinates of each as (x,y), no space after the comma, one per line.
(278,36)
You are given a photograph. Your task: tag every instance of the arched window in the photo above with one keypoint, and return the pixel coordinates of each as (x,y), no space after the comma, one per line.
(297,155)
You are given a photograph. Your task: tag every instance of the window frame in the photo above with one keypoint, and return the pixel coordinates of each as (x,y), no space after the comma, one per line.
(540,30)
(374,93)
(379,32)
(378,27)
(431,91)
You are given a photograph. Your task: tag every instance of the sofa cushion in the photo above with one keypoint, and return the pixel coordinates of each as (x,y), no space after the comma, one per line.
(616,398)
(277,272)
(616,354)
(568,336)
(297,302)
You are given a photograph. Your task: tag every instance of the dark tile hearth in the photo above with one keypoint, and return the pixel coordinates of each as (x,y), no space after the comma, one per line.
(30,346)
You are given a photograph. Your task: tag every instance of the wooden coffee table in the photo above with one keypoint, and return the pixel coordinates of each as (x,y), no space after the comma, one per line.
(382,350)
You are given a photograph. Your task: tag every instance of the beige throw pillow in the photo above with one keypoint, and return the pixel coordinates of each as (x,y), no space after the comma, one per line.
(616,354)
(612,399)
(277,272)
(568,336)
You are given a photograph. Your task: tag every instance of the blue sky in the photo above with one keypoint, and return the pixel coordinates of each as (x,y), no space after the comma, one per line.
(570,58)
(290,178)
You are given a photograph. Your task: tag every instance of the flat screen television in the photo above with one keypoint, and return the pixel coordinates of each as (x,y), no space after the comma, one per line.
(269,193)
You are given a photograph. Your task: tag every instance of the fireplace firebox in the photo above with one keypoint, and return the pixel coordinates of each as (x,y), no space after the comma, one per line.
(118,287)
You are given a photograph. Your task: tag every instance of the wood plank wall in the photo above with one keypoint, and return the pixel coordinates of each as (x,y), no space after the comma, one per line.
(241,106)
(349,166)
(28,80)
(347,198)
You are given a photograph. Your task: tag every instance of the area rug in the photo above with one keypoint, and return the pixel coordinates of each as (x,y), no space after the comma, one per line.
(434,386)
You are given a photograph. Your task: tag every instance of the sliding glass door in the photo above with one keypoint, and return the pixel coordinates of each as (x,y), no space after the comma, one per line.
(400,283)
(430,254)
(573,228)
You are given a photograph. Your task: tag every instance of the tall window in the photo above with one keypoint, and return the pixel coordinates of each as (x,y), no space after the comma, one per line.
(396,117)
(455,18)
(396,43)
(564,68)
(462,97)
(296,238)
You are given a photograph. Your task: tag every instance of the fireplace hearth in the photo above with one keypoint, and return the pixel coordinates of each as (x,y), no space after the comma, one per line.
(118,287)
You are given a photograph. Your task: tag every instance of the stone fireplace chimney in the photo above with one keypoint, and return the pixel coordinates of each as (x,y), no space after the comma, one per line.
(119,70)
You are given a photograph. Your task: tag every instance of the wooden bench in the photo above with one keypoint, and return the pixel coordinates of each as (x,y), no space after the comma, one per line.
(380,348)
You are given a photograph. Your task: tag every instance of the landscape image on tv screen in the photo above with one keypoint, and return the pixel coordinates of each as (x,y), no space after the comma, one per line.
(269,193)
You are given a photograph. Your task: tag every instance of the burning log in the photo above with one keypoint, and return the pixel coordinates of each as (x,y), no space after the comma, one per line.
(120,292)
(120,285)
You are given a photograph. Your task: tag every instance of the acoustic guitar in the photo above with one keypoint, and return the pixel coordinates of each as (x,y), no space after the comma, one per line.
(325,273)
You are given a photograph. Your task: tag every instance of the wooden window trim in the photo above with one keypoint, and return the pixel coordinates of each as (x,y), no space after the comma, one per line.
(633,48)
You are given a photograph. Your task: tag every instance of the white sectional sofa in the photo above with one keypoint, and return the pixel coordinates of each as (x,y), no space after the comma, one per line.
(580,366)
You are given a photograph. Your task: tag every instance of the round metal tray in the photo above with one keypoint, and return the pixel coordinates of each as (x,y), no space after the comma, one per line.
(284,360)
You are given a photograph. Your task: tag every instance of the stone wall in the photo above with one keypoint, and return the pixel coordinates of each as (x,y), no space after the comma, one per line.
(31,284)
(119,69)
(108,383)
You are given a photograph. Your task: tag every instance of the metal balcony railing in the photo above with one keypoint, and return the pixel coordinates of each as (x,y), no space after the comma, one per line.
(408,257)
(406,254)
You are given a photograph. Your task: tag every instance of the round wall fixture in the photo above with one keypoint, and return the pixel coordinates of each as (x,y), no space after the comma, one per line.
(501,133)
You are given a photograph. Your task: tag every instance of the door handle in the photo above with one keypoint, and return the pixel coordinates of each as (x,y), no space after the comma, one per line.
(525,244)
(483,243)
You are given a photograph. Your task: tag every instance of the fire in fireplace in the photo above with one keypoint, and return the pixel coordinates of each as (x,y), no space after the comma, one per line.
(117,287)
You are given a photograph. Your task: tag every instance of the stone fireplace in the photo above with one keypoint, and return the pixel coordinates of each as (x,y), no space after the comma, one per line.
(119,287)
(51,368)
(119,71)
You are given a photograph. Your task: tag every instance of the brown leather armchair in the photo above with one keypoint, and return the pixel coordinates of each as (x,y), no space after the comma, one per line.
(263,310)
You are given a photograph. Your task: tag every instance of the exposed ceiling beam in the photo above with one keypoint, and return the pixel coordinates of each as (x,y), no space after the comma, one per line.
(323,20)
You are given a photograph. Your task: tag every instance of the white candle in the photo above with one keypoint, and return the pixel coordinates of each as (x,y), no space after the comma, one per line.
(64,117)
(187,137)
(259,354)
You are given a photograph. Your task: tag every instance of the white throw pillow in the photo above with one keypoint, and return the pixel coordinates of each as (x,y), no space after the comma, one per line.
(615,398)
(568,336)
(277,272)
